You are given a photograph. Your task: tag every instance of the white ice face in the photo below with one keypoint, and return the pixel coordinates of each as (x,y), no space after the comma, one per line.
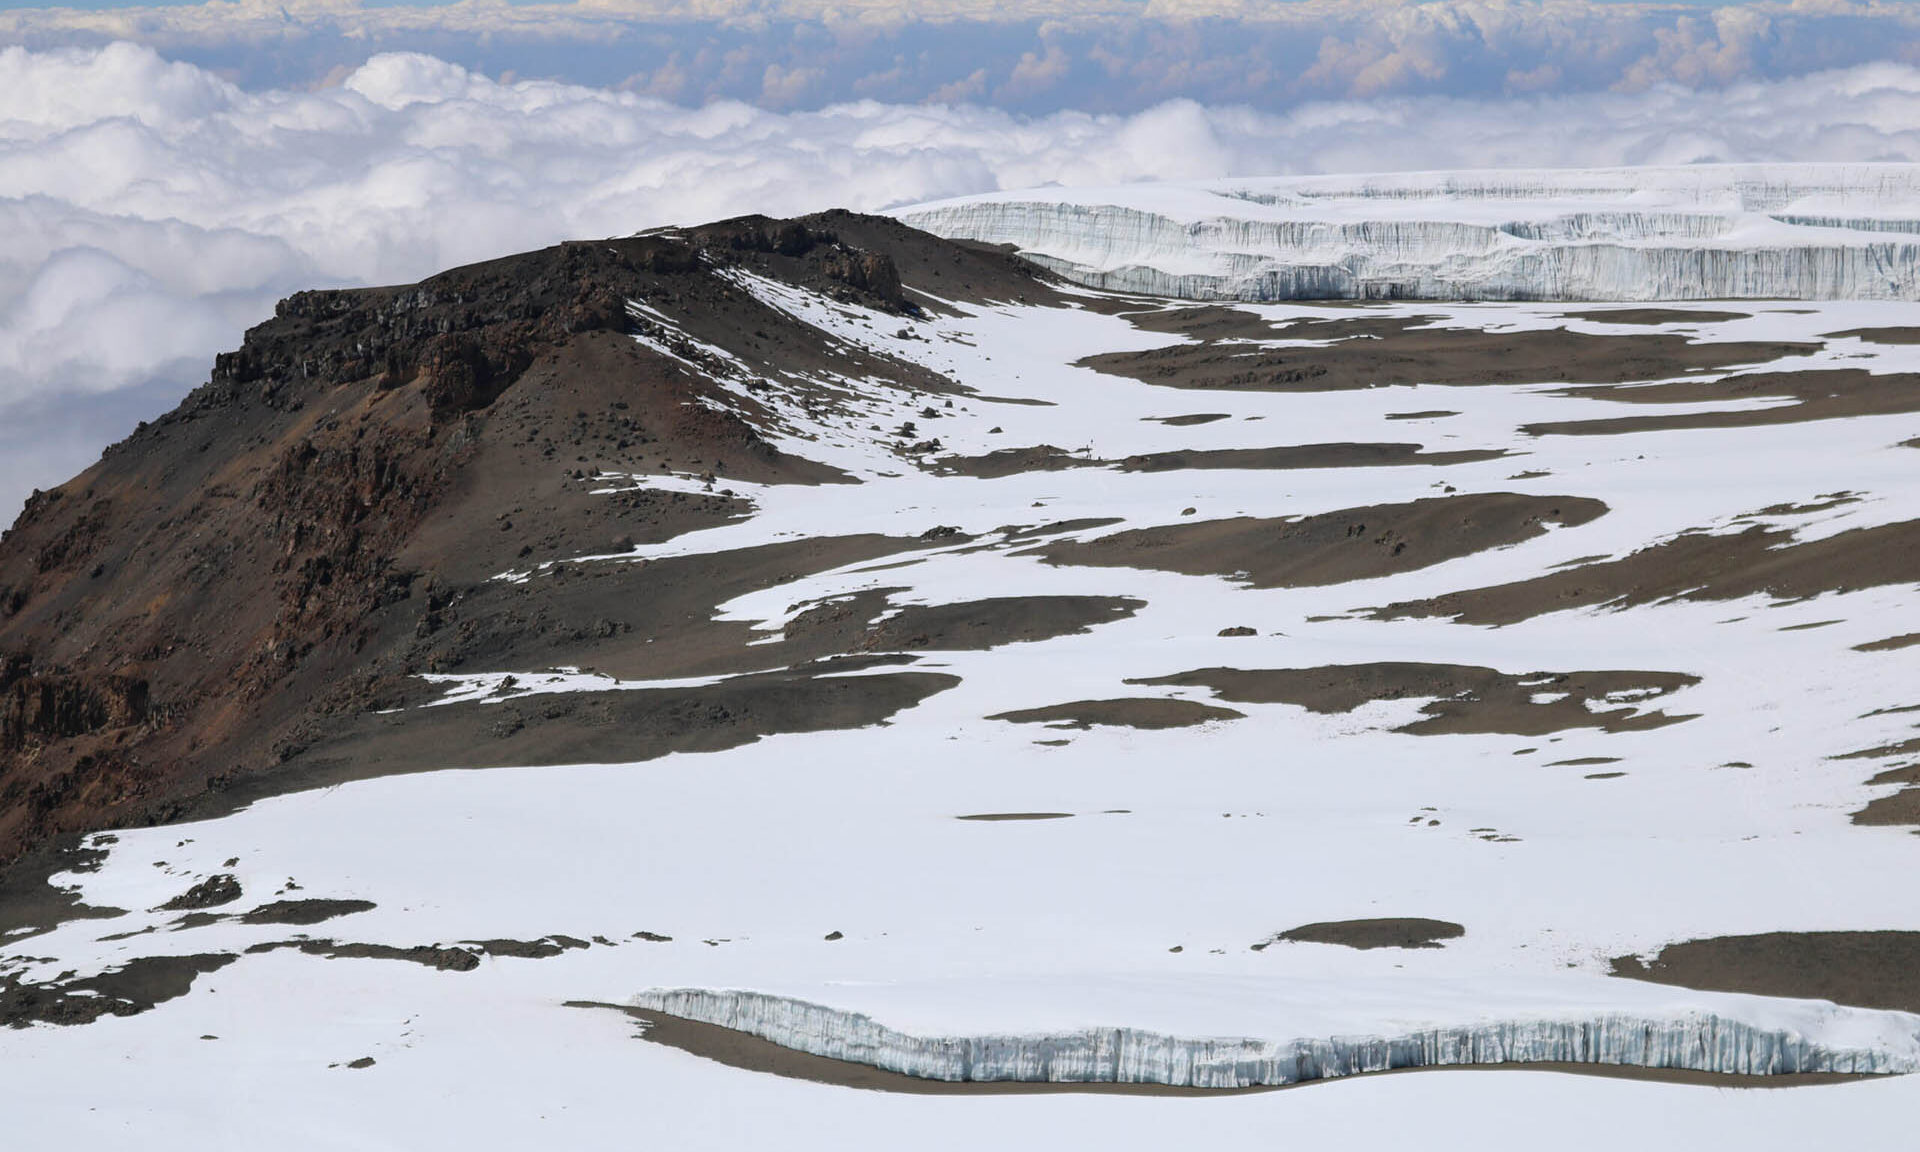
(1797,232)
(823,891)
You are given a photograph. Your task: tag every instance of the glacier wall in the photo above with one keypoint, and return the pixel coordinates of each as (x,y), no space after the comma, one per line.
(1796,232)
(1698,1041)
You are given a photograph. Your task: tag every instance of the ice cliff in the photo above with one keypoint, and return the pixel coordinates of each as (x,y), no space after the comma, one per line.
(1697,1040)
(1807,232)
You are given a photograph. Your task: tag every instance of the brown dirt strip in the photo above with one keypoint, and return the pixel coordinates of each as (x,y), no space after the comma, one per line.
(1467,699)
(1369,353)
(1151,713)
(1654,316)
(1879,335)
(1331,547)
(750,1053)
(1826,394)
(1189,420)
(1890,644)
(1047,458)
(1695,566)
(1392,932)
(1861,969)
(1304,456)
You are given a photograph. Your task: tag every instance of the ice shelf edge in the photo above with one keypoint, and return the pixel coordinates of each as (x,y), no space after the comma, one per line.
(1692,1041)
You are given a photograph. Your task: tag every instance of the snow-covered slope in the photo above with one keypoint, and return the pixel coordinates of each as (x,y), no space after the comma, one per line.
(1319,690)
(1802,232)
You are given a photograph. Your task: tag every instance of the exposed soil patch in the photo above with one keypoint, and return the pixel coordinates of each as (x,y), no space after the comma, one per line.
(1399,932)
(1332,547)
(304,911)
(1205,322)
(1890,644)
(128,990)
(1304,456)
(1879,335)
(1046,458)
(1468,699)
(1900,808)
(1696,566)
(1862,969)
(1189,420)
(595,727)
(543,948)
(1368,353)
(1060,527)
(1434,414)
(427,955)
(977,625)
(1654,316)
(750,1053)
(1012,462)
(1824,394)
(1139,712)
(993,817)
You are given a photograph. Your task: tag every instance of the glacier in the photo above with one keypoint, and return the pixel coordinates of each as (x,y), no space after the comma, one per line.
(1696,1040)
(1711,232)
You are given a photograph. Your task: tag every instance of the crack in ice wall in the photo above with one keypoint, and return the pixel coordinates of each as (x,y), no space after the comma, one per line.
(1698,1041)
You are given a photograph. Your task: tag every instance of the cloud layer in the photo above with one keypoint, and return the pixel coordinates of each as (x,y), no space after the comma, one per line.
(1033,56)
(150,210)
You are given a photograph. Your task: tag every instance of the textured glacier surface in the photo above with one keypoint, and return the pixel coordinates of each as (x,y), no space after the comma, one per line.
(1802,232)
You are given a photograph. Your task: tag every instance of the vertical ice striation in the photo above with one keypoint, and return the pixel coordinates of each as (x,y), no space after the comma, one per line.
(1809,232)
(1694,1040)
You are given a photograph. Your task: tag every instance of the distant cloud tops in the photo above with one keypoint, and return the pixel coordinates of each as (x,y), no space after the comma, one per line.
(151,210)
(1028,55)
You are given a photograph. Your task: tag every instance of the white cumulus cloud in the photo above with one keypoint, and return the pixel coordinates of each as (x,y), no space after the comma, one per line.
(150,210)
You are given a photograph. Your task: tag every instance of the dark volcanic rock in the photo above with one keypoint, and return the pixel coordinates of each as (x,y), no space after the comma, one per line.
(249,577)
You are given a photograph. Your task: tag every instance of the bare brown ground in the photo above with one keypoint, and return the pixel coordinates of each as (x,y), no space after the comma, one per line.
(590,728)
(1900,808)
(1367,353)
(1862,969)
(1304,456)
(997,817)
(1696,566)
(1331,547)
(1825,394)
(1890,644)
(1393,932)
(1143,712)
(1879,335)
(750,1053)
(1047,458)
(1468,699)
(1654,316)
(1189,420)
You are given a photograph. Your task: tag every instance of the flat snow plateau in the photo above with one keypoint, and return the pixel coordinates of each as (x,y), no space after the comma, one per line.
(1701,233)
(1132,877)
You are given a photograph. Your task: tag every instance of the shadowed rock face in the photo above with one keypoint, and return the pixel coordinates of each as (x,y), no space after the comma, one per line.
(236,586)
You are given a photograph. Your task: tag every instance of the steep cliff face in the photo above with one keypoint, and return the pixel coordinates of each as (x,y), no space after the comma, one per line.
(320,520)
